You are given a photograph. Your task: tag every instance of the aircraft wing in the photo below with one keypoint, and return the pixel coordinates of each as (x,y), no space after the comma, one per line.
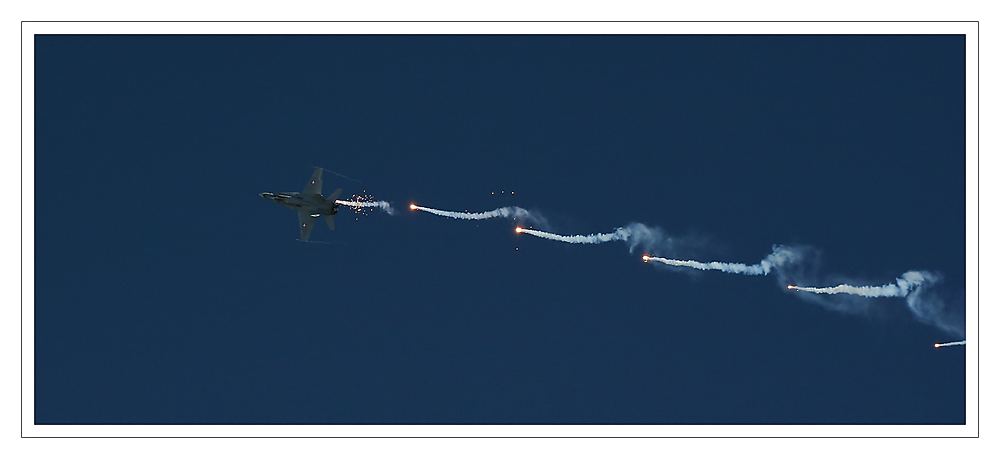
(315,185)
(306,222)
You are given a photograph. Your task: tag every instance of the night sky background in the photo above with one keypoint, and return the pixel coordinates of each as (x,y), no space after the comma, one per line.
(168,291)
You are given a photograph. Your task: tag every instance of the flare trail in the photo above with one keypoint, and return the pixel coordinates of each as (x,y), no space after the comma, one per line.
(789,264)
(620,234)
(779,256)
(736,268)
(502,212)
(903,285)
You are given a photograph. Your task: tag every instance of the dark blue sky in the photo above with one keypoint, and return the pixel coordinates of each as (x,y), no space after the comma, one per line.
(168,291)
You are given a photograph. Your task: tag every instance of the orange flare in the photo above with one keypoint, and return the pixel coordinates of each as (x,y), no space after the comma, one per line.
(645,258)
(413,207)
(937,345)
(518,229)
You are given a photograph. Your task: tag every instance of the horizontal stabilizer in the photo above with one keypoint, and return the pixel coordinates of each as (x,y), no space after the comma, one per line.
(329,221)
(333,196)
(306,222)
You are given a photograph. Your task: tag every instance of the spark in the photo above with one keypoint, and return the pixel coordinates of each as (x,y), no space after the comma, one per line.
(953,343)
(364,203)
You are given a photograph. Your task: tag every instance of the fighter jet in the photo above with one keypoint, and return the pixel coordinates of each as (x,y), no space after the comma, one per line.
(309,203)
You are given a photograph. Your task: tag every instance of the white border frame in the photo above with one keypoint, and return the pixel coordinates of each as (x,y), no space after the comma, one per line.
(969,29)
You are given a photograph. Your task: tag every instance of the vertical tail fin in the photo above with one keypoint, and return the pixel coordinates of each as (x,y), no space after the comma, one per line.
(333,196)
(329,221)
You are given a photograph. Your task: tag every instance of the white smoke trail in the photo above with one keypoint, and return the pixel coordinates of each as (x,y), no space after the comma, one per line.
(635,234)
(953,343)
(780,256)
(909,281)
(380,204)
(502,212)
(619,234)
(736,268)
(514,212)
(787,264)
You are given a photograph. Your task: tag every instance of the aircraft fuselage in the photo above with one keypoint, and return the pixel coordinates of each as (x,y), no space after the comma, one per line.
(303,203)
(309,204)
